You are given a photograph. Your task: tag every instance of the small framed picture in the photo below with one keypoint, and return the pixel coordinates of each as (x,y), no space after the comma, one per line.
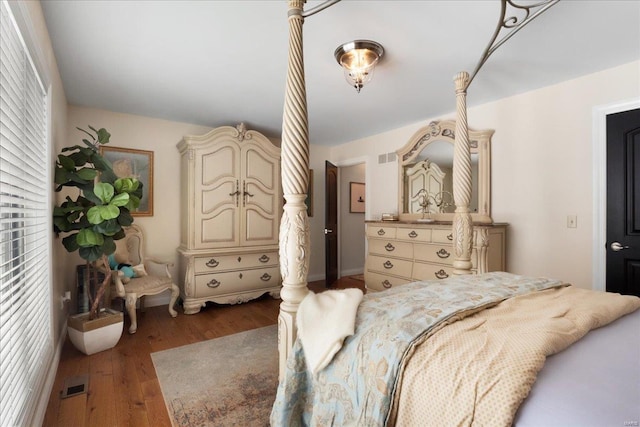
(356,197)
(130,163)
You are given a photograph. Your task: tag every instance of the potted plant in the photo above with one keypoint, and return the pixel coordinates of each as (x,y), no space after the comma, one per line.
(91,223)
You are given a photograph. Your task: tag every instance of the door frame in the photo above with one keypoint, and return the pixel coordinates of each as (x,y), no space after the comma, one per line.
(367,196)
(599,162)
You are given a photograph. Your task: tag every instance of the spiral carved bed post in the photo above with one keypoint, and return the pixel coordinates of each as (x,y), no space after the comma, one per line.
(294,226)
(462,223)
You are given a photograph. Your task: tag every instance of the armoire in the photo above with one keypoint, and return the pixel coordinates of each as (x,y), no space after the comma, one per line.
(231,204)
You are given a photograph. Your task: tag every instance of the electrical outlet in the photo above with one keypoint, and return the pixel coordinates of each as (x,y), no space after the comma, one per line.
(572,221)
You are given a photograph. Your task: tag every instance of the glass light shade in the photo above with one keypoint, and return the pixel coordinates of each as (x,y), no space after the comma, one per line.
(358,59)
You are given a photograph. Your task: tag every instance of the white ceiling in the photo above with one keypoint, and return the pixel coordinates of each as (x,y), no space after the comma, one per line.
(218,62)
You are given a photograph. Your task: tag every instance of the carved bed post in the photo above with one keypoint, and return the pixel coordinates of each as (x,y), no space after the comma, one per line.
(294,226)
(462,223)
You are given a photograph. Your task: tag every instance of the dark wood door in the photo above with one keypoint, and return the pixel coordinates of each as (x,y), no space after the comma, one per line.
(331,223)
(623,202)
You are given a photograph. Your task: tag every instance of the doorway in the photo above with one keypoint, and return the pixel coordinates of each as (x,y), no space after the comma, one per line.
(599,166)
(623,203)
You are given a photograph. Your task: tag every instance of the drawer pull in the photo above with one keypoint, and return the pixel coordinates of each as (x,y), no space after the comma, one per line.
(264,258)
(265,277)
(413,234)
(239,259)
(386,284)
(389,247)
(212,263)
(381,232)
(441,274)
(442,253)
(450,236)
(213,283)
(387,264)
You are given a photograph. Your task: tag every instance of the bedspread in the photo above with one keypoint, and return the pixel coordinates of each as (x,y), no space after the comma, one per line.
(357,388)
(481,368)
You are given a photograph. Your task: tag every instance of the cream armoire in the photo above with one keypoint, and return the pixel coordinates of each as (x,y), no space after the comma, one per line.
(231,206)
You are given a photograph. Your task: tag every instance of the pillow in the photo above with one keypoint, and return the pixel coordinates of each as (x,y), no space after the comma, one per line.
(139,271)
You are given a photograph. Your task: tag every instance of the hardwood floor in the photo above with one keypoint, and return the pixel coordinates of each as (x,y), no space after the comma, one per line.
(123,388)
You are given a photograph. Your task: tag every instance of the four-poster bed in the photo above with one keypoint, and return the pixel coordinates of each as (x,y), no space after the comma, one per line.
(382,315)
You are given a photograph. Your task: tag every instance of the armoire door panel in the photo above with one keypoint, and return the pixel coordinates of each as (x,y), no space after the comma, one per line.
(219,164)
(260,167)
(218,197)
(219,229)
(259,228)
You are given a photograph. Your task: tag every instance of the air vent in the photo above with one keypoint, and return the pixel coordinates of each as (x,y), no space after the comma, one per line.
(75,385)
(382,158)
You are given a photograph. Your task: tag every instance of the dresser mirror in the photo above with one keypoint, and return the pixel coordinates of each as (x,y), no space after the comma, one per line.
(425,174)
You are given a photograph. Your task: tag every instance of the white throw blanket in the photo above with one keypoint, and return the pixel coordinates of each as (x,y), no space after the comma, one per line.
(324,321)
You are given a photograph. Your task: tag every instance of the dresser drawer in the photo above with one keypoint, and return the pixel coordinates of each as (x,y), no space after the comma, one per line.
(442,235)
(380,231)
(236,281)
(414,234)
(380,282)
(232,262)
(386,265)
(442,254)
(391,248)
(431,271)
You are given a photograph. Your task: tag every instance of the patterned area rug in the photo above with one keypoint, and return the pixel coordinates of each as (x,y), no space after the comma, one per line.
(228,381)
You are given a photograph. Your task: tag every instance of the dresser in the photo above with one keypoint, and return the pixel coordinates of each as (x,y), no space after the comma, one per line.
(231,205)
(402,252)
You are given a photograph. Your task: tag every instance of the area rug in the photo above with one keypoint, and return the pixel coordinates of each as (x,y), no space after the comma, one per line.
(228,381)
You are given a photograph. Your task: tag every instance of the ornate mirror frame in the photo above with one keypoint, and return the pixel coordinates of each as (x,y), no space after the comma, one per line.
(480,144)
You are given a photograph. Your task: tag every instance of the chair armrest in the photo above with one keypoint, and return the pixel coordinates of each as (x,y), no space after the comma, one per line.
(158,262)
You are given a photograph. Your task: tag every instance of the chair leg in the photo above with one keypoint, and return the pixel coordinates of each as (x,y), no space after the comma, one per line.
(175,293)
(131,309)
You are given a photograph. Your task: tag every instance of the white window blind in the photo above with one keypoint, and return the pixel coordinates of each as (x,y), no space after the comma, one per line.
(25,314)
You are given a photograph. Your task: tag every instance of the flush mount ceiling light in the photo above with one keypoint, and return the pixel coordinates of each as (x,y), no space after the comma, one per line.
(358,59)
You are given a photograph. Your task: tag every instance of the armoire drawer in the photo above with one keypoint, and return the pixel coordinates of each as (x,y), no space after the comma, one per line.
(442,254)
(391,248)
(380,282)
(236,281)
(386,265)
(232,262)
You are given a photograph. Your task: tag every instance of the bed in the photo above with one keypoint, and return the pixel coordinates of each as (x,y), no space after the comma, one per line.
(414,358)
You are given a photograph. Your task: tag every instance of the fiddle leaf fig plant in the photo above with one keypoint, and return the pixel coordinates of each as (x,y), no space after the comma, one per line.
(94,219)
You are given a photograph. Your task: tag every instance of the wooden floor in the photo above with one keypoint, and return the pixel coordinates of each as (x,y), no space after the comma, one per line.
(123,388)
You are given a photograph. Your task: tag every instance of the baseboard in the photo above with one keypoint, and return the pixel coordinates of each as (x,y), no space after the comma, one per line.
(351,272)
(37,417)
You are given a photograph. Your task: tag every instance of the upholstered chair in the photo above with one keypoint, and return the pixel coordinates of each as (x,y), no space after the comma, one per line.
(150,276)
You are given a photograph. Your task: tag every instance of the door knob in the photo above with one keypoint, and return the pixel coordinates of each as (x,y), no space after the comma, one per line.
(616,246)
(328,230)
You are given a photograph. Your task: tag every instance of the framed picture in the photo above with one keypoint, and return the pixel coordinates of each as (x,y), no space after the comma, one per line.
(356,197)
(309,200)
(130,163)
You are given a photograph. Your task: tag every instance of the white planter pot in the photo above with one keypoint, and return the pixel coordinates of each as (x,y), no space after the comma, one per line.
(93,336)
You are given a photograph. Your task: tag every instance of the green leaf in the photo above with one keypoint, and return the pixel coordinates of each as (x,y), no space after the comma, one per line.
(88,193)
(109,246)
(109,211)
(70,242)
(82,130)
(103,136)
(87,174)
(91,253)
(94,215)
(125,219)
(120,200)
(88,237)
(120,234)
(134,202)
(108,227)
(103,191)
(66,162)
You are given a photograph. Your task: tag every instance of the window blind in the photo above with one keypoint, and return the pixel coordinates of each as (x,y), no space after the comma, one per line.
(25,292)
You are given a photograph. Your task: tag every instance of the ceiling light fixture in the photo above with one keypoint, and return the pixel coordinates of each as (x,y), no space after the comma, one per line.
(358,59)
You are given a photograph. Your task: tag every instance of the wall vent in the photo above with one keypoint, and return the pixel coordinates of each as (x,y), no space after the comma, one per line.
(382,158)
(391,157)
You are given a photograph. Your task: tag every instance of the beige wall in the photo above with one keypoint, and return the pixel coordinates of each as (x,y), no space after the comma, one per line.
(351,227)
(541,169)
